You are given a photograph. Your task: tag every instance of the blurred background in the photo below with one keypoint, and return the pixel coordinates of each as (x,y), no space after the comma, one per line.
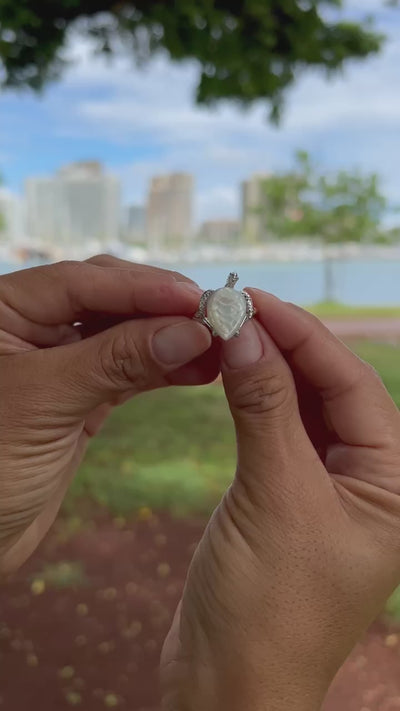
(252,135)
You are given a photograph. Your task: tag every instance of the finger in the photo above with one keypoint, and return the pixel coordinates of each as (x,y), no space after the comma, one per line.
(128,359)
(12,322)
(106,260)
(24,545)
(202,371)
(96,323)
(64,292)
(262,397)
(95,420)
(357,405)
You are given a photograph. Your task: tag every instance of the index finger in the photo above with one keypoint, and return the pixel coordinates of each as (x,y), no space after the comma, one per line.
(357,404)
(63,292)
(108,260)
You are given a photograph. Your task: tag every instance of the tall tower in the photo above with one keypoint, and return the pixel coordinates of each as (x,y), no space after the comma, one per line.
(170,211)
(253,201)
(81,203)
(90,201)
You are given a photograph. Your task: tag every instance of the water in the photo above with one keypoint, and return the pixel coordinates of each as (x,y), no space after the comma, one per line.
(6,267)
(357,282)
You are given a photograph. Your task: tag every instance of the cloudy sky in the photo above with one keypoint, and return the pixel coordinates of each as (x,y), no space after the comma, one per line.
(141,122)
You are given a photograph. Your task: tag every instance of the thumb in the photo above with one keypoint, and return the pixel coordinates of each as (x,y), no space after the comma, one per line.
(262,397)
(130,358)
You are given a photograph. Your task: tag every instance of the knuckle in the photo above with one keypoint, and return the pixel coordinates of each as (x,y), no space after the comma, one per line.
(68,266)
(178,276)
(69,271)
(99,259)
(263,394)
(122,362)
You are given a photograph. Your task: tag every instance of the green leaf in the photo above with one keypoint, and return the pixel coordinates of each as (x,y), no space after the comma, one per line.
(247,50)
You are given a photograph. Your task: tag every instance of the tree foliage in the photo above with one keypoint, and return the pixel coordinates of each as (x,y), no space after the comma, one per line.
(246,49)
(340,207)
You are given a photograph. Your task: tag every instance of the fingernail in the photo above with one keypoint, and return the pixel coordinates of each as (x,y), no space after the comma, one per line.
(181,343)
(244,350)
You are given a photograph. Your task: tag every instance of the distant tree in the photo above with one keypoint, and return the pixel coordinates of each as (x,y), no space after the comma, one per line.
(246,49)
(341,207)
(393,235)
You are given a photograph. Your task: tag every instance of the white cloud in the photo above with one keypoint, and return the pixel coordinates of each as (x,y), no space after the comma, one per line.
(361,6)
(158,101)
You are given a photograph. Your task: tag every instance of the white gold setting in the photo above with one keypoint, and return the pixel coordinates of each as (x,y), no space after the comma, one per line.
(225,310)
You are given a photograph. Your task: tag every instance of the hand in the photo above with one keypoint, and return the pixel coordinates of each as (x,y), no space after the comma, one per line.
(59,382)
(304,549)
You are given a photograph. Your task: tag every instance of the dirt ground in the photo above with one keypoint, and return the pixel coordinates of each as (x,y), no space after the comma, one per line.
(383,330)
(96,645)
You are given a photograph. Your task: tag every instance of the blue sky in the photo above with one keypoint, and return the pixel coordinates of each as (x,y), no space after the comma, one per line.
(141,122)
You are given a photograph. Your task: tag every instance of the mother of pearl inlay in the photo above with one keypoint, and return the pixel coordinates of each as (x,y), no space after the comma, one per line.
(226,312)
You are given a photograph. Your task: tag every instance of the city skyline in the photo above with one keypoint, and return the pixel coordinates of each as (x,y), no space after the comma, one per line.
(145,186)
(81,204)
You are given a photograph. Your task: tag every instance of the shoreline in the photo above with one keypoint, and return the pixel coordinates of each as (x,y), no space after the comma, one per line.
(207,255)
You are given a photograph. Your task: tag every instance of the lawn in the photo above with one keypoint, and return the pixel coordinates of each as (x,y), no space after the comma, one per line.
(172,449)
(334,309)
(175,449)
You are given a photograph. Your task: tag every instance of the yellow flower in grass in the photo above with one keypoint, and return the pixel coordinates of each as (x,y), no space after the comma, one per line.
(38,586)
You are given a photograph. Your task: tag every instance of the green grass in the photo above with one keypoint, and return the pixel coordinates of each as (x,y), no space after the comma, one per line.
(334,309)
(64,574)
(386,360)
(393,606)
(174,449)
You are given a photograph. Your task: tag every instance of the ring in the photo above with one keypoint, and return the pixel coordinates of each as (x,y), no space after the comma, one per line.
(225,310)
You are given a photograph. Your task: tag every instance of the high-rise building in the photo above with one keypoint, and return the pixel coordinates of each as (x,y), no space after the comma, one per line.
(253,204)
(11,217)
(80,204)
(170,211)
(220,232)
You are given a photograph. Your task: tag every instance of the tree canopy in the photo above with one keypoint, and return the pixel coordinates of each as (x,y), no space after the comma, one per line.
(343,206)
(246,49)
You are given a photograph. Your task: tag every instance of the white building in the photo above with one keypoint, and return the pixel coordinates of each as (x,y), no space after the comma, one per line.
(11,217)
(253,200)
(170,211)
(79,205)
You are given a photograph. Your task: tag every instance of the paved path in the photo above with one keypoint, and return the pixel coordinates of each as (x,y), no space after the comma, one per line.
(375,329)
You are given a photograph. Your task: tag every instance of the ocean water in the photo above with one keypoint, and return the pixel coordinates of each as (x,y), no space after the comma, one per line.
(356,281)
